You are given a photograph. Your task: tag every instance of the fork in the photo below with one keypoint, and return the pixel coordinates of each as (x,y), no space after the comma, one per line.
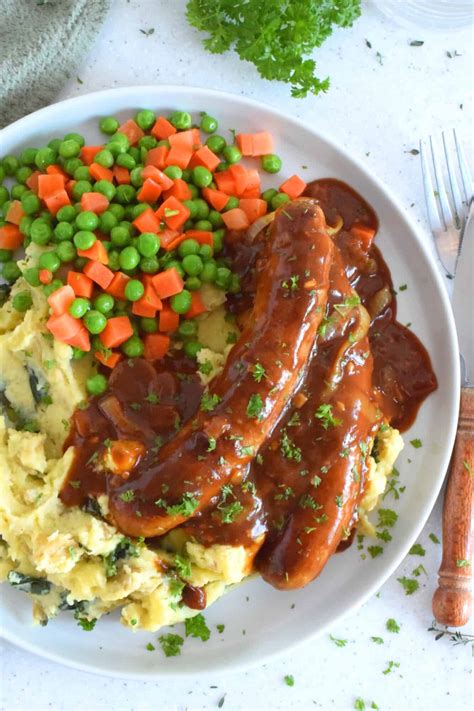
(447,214)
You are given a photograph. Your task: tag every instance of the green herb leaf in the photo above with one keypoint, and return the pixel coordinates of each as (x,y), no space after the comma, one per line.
(196,627)
(171,644)
(338,642)
(416,443)
(289,680)
(417,549)
(255,407)
(392,625)
(409,585)
(325,415)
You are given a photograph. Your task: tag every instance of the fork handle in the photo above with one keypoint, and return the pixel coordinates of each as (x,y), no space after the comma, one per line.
(452,601)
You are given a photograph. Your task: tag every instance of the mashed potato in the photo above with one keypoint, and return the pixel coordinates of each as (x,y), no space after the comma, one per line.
(68,558)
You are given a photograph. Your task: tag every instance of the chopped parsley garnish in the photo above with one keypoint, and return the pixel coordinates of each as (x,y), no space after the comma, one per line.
(75,484)
(307,502)
(186,507)
(229,512)
(289,680)
(462,563)
(409,585)
(295,420)
(416,443)
(87,625)
(392,625)
(258,372)
(196,627)
(212,444)
(128,495)
(324,414)
(152,398)
(291,284)
(384,535)
(150,647)
(205,368)
(339,500)
(136,406)
(417,549)
(468,467)
(338,642)
(171,644)
(347,304)
(289,449)
(255,407)
(433,537)
(285,494)
(391,666)
(182,565)
(249,486)
(387,518)
(209,402)
(375,551)
(220,628)
(176,587)
(377,640)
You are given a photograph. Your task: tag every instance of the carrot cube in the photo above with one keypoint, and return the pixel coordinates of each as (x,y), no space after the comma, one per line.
(168,283)
(173,213)
(117,286)
(99,273)
(117,331)
(162,129)
(147,221)
(10,237)
(236,219)
(197,307)
(169,320)
(94,202)
(293,187)
(81,284)
(132,130)
(156,345)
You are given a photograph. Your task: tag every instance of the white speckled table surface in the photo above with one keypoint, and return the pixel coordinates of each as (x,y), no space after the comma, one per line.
(382,99)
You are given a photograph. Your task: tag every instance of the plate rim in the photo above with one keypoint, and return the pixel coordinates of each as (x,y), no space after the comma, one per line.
(28,122)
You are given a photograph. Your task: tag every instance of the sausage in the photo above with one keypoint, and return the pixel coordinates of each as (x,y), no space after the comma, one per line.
(247,399)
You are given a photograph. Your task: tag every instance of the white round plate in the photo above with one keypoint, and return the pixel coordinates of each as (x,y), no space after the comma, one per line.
(259,621)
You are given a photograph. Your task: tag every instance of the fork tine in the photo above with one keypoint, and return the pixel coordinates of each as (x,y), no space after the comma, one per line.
(458,202)
(465,174)
(431,205)
(440,189)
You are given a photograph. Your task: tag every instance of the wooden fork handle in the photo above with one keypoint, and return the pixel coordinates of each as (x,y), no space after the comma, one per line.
(452,601)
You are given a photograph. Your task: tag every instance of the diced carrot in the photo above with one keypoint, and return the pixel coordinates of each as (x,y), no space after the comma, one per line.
(121,175)
(156,345)
(143,308)
(363,233)
(99,273)
(235,219)
(132,130)
(262,143)
(49,184)
(10,237)
(61,299)
(167,237)
(162,129)
(157,157)
(173,213)
(147,221)
(32,181)
(168,283)
(110,361)
(253,180)
(117,331)
(69,187)
(88,153)
(245,143)
(251,193)
(240,177)
(180,190)
(81,284)
(56,170)
(293,187)
(150,191)
(216,198)
(157,175)
(95,202)
(45,276)
(80,340)
(179,155)
(190,139)
(201,236)
(253,208)
(63,326)
(98,172)
(15,212)
(57,200)
(169,320)
(197,307)
(207,158)
(174,244)
(150,294)
(225,182)
(97,252)
(117,286)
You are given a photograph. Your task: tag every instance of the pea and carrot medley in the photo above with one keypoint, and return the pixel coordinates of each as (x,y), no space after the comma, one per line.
(132,228)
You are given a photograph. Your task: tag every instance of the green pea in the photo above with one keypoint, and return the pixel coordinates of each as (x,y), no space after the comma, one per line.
(96,384)
(215,218)
(79,307)
(125,194)
(234,285)
(18,190)
(81,187)
(174,264)
(136,210)
(80,263)
(187,247)
(221,167)
(25,225)
(104,303)
(63,231)
(203,225)
(209,272)
(87,220)
(192,348)
(31,276)
(271,163)
(40,232)
(108,125)
(149,325)
(186,174)
(120,236)
(136,176)
(125,160)
(75,137)
(28,155)
(10,165)
(269,194)
(191,207)
(5,207)
(121,307)
(107,221)
(147,142)
(193,283)
(134,290)
(66,214)
(216,144)
(129,257)
(232,203)
(106,188)
(193,190)
(223,277)
(180,303)
(202,177)
(44,157)
(192,264)
(202,209)
(173,171)
(114,260)
(209,124)
(73,164)
(278,200)
(205,252)
(30,203)
(2,173)
(127,226)
(4,195)
(117,210)
(218,239)
(22,301)
(133,348)
(84,239)
(22,174)
(77,354)
(82,172)
(94,321)
(145,119)
(232,154)
(118,143)
(104,158)
(66,251)
(181,120)
(69,148)
(11,271)
(148,244)
(5,255)
(49,261)
(54,144)
(149,265)
(188,328)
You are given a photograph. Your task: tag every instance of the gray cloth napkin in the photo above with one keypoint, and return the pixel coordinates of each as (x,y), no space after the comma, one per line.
(41,44)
